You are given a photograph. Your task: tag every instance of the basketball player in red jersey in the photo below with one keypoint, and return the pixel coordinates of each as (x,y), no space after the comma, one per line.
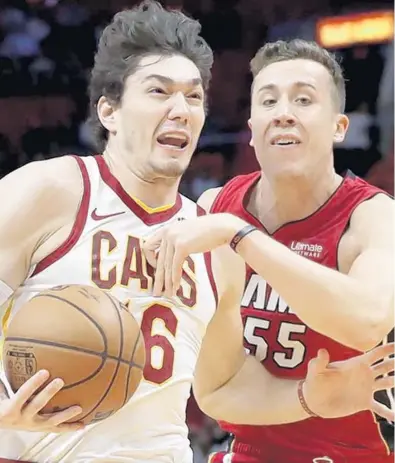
(82,220)
(319,250)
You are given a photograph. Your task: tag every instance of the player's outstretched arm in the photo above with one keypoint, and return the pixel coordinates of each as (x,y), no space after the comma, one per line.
(233,386)
(355,309)
(37,201)
(359,310)
(229,384)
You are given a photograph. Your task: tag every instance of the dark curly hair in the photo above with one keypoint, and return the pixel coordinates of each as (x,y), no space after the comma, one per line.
(133,34)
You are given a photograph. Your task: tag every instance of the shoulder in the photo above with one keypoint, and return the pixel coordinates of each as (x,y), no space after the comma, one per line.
(42,190)
(50,175)
(232,191)
(42,198)
(380,206)
(373,219)
(207,199)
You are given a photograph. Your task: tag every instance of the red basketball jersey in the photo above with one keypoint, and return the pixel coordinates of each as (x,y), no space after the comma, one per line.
(280,340)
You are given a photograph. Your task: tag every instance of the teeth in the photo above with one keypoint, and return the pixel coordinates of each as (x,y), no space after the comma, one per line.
(174,135)
(181,137)
(285,142)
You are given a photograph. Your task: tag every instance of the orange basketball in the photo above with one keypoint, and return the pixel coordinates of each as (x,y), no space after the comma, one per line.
(85,337)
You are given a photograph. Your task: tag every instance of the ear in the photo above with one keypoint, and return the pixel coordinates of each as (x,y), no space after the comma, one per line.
(251,143)
(106,114)
(342,123)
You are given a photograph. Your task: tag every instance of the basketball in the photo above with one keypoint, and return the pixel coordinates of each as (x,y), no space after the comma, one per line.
(85,337)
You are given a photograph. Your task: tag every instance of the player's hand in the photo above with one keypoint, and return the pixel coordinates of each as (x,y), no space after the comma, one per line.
(22,411)
(343,388)
(168,248)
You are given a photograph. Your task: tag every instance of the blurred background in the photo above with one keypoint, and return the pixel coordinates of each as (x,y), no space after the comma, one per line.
(46,52)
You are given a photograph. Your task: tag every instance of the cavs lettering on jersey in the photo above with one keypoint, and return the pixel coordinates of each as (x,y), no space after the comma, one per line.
(104,250)
(283,343)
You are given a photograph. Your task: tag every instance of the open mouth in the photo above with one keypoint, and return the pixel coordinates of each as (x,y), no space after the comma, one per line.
(285,141)
(173,141)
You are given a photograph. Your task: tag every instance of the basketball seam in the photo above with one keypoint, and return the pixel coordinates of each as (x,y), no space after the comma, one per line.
(103,356)
(92,320)
(130,366)
(116,368)
(131,363)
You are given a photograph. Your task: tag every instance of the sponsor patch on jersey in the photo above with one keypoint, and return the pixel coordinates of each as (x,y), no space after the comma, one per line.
(307,249)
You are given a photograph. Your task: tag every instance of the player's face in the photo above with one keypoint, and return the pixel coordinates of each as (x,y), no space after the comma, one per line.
(294,119)
(161,115)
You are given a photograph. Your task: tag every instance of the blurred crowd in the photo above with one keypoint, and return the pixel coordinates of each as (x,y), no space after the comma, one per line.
(47,49)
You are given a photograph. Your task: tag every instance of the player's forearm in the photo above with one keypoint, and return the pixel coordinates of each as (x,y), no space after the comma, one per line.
(254,397)
(329,302)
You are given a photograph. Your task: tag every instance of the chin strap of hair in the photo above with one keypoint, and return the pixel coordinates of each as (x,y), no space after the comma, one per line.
(240,235)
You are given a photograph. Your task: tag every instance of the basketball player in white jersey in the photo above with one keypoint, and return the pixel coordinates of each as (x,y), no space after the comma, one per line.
(83,221)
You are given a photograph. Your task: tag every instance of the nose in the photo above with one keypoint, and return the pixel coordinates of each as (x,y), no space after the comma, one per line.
(284,116)
(179,109)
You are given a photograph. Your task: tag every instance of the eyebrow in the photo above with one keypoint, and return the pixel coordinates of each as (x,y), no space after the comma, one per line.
(172,83)
(298,84)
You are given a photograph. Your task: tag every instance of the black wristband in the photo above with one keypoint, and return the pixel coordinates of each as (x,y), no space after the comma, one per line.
(241,234)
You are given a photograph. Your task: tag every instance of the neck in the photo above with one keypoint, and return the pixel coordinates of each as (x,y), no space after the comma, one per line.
(277,201)
(154,192)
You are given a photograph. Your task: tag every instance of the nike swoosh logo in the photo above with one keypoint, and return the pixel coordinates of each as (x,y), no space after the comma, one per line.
(96,216)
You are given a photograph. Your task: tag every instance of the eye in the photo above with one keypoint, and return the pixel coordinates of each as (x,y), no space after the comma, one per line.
(157,91)
(196,96)
(269,102)
(304,101)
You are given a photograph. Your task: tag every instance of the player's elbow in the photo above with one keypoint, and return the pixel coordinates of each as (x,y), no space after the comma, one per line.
(207,405)
(214,403)
(376,328)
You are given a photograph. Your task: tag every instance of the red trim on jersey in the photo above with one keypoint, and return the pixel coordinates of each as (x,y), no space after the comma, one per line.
(78,225)
(235,195)
(147,217)
(6,460)
(200,211)
(293,223)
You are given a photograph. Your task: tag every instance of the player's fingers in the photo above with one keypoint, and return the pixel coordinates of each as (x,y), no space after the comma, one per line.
(150,255)
(319,363)
(151,247)
(160,270)
(168,269)
(68,427)
(379,353)
(384,383)
(382,410)
(43,397)
(32,385)
(178,262)
(55,419)
(383,368)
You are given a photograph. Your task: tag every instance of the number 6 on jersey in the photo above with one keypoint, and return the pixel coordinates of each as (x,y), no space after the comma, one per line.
(159,350)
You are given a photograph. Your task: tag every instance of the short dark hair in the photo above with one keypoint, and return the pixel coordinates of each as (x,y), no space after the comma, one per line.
(133,34)
(302,49)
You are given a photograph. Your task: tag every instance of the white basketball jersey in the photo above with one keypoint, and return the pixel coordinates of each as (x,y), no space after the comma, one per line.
(104,250)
